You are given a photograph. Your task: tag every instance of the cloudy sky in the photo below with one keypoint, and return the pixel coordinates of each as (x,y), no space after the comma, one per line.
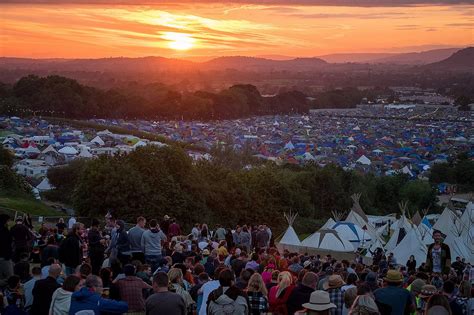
(104,28)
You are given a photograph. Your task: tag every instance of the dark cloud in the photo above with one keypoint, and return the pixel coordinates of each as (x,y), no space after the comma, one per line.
(354,3)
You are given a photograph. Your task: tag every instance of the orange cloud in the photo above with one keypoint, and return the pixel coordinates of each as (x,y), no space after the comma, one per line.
(38,30)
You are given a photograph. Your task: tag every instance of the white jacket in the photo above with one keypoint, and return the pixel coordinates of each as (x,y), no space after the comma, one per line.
(60,302)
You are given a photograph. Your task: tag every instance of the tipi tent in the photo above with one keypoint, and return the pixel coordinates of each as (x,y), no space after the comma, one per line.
(411,244)
(402,227)
(351,232)
(448,222)
(358,217)
(329,223)
(290,239)
(328,240)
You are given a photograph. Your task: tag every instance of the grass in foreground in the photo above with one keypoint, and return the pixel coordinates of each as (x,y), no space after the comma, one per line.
(27,204)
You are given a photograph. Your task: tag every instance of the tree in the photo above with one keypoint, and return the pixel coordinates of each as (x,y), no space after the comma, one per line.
(6,158)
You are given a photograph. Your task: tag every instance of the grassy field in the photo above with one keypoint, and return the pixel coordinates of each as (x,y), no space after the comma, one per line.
(26,204)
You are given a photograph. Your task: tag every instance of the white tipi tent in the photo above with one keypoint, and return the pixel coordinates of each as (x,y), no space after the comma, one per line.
(357,216)
(448,222)
(290,239)
(401,228)
(44,185)
(329,223)
(411,244)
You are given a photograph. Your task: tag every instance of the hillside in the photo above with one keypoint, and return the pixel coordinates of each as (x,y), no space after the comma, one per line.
(418,58)
(263,64)
(462,60)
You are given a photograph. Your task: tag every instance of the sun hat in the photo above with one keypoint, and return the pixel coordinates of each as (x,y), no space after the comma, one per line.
(393,276)
(319,301)
(428,290)
(417,285)
(206,252)
(334,281)
(437,310)
(307,263)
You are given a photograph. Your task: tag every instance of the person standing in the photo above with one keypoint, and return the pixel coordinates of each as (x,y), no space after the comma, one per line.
(164,302)
(22,237)
(96,247)
(220,233)
(392,294)
(262,238)
(70,250)
(245,239)
(302,293)
(131,289)
(61,226)
(438,258)
(6,250)
(333,287)
(165,224)
(123,243)
(71,222)
(43,291)
(227,298)
(151,244)
(174,229)
(135,238)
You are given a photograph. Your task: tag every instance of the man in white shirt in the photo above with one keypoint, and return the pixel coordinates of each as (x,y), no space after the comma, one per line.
(71,222)
(207,288)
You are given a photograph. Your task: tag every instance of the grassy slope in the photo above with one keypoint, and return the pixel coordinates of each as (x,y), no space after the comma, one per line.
(25,204)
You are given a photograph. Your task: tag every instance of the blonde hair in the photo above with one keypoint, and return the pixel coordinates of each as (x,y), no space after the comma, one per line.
(285,279)
(256,284)
(175,275)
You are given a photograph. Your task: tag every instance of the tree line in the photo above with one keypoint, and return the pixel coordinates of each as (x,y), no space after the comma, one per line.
(157,181)
(63,97)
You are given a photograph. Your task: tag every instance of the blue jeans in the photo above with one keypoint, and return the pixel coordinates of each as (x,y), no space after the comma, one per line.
(153,261)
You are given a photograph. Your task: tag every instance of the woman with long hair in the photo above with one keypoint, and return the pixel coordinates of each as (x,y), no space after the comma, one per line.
(438,304)
(411,264)
(280,293)
(175,276)
(257,295)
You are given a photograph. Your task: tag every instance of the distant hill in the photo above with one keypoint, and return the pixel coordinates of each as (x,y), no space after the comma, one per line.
(418,58)
(462,60)
(102,64)
(354,57)
(262,64)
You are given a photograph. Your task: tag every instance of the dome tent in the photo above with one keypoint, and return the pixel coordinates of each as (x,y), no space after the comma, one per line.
(327,239)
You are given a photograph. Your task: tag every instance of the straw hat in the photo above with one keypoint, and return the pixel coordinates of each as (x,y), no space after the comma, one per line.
(334,281)
(427,291)
(319,301)
(393,276)
(206,252)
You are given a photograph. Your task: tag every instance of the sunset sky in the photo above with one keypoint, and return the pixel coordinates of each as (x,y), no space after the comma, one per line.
(212,28)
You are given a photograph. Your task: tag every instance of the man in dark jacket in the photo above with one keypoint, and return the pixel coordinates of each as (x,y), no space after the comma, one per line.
(22,238)
(302,292)
(96,247)
(262,237)
(6,251)
(123,243)
(70,251)
(43,291)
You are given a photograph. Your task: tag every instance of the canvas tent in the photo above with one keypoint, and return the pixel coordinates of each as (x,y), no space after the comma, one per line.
(411,244)
(327,240)
(364,160)
(351,232)
(401,228)
(290,239)
(329,223)
(44,185)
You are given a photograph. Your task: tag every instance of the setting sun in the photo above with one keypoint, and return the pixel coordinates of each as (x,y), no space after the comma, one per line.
(179,41)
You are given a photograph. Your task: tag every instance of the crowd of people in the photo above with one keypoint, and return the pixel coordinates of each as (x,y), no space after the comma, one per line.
(154,268)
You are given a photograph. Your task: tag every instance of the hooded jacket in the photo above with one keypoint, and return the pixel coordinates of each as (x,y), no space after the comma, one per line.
(86,300)
(224,301)
(151,242)
(60,302)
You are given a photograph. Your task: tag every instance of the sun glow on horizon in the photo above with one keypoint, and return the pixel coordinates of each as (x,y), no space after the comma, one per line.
(179,41)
